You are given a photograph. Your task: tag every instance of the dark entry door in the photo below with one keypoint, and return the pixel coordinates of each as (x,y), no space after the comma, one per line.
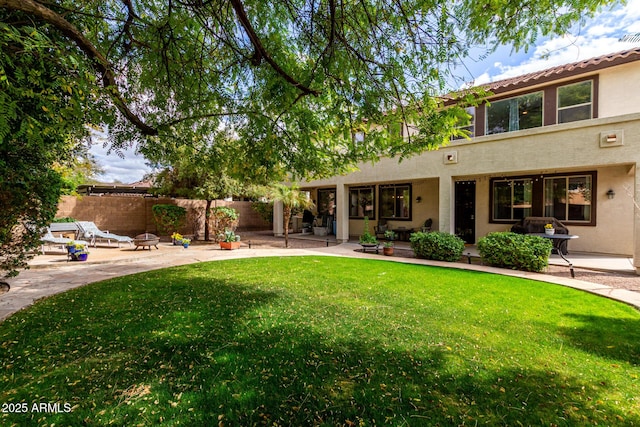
(465,211)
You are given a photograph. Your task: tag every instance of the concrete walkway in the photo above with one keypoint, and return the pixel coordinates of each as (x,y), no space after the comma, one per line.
(51,274)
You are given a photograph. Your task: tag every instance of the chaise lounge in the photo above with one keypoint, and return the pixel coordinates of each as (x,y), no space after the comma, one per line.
(88,230)
(49,239)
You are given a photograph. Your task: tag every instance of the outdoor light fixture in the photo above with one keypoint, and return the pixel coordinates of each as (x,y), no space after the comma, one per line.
(611,138)
(418,199)
(611,194)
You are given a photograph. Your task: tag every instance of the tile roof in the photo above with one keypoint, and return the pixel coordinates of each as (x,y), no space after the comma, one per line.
(563,71)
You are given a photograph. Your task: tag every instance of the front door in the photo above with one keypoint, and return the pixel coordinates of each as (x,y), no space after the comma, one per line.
(465,211)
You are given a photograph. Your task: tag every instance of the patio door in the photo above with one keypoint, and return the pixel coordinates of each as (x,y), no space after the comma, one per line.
(327,208)
(465,211)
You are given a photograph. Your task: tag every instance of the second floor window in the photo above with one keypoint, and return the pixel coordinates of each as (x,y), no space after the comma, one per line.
(469,126)
(575,102)
(508,115)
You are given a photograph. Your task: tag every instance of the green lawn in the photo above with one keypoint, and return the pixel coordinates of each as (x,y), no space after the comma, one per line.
(322,341)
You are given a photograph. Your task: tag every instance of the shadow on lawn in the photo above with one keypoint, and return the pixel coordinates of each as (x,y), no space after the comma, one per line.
(605,336)
(204,352)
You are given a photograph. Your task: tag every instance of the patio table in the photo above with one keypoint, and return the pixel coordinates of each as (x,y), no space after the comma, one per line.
(558,240)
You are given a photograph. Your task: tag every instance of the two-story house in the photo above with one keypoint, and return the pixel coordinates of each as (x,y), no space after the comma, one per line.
(563,142)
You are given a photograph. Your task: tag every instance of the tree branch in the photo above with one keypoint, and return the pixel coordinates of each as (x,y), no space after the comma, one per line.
(100,63)
(261,53)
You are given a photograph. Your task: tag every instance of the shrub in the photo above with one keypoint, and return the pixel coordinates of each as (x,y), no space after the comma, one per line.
(223,218)
(264,209)
(437,246)
(169,218)
(515,251)
(65,219)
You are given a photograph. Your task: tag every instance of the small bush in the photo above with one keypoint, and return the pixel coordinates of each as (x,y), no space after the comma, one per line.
(64,219)
(264,209)
(222,218)
(169,218)
(437,246)
(515,251)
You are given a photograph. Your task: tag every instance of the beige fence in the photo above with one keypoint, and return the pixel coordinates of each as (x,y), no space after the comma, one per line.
(130,215)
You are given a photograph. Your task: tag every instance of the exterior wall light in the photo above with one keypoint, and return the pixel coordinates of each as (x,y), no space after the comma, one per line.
(418,199)
(611,138)
(611,194)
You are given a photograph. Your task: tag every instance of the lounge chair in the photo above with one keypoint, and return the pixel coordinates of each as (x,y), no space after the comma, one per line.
(88,230)
(49,239)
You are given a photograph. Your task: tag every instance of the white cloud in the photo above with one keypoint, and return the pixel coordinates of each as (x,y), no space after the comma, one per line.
(595,37)
(127,170)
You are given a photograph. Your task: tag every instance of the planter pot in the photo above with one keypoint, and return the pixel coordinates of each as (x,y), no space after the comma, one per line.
(550,231)
(229,245)
(185,245)
(387,251)
(81,257)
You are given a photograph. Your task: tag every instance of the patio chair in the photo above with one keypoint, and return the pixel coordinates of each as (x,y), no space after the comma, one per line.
(381,228)
(49,239)
(90,231)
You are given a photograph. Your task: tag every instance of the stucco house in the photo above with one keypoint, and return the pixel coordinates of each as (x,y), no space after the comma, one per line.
(563,142)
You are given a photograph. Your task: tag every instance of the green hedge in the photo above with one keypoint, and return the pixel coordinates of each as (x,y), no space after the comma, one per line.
(437,246)
(515,251)
(169,218)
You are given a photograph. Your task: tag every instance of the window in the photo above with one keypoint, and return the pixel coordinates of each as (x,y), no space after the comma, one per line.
(395,201)
(469,125)
(575,102)
(508,115)
(361,202)
(512,199)
(568,198)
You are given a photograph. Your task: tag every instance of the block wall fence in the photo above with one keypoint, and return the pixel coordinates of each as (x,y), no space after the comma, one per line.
(131,216)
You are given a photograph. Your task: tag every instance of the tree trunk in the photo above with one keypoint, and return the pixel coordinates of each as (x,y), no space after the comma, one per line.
(207,215)
(287,217)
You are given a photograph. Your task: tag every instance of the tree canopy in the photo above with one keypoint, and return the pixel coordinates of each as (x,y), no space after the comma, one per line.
(295,79)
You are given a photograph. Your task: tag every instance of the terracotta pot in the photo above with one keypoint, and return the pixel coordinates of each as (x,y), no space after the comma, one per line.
(387,251)
(229,245)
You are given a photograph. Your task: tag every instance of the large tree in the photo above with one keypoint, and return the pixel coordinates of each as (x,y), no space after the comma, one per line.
(298,81)
(197,170)
(295,78)
(44,105)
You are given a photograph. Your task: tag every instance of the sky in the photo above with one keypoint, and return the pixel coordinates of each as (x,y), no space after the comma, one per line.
(595,37)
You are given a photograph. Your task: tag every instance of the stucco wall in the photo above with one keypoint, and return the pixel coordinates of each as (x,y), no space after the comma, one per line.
(554,149)
(133,215)
(617,83)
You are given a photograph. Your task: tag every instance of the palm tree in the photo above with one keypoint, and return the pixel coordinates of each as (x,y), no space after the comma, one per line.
(291,198)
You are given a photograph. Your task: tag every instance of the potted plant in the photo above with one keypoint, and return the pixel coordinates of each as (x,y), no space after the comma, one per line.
(389,244)
(548,229)
(77,251)
(229,240)
(368,240)
(185,242)
(176,238)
